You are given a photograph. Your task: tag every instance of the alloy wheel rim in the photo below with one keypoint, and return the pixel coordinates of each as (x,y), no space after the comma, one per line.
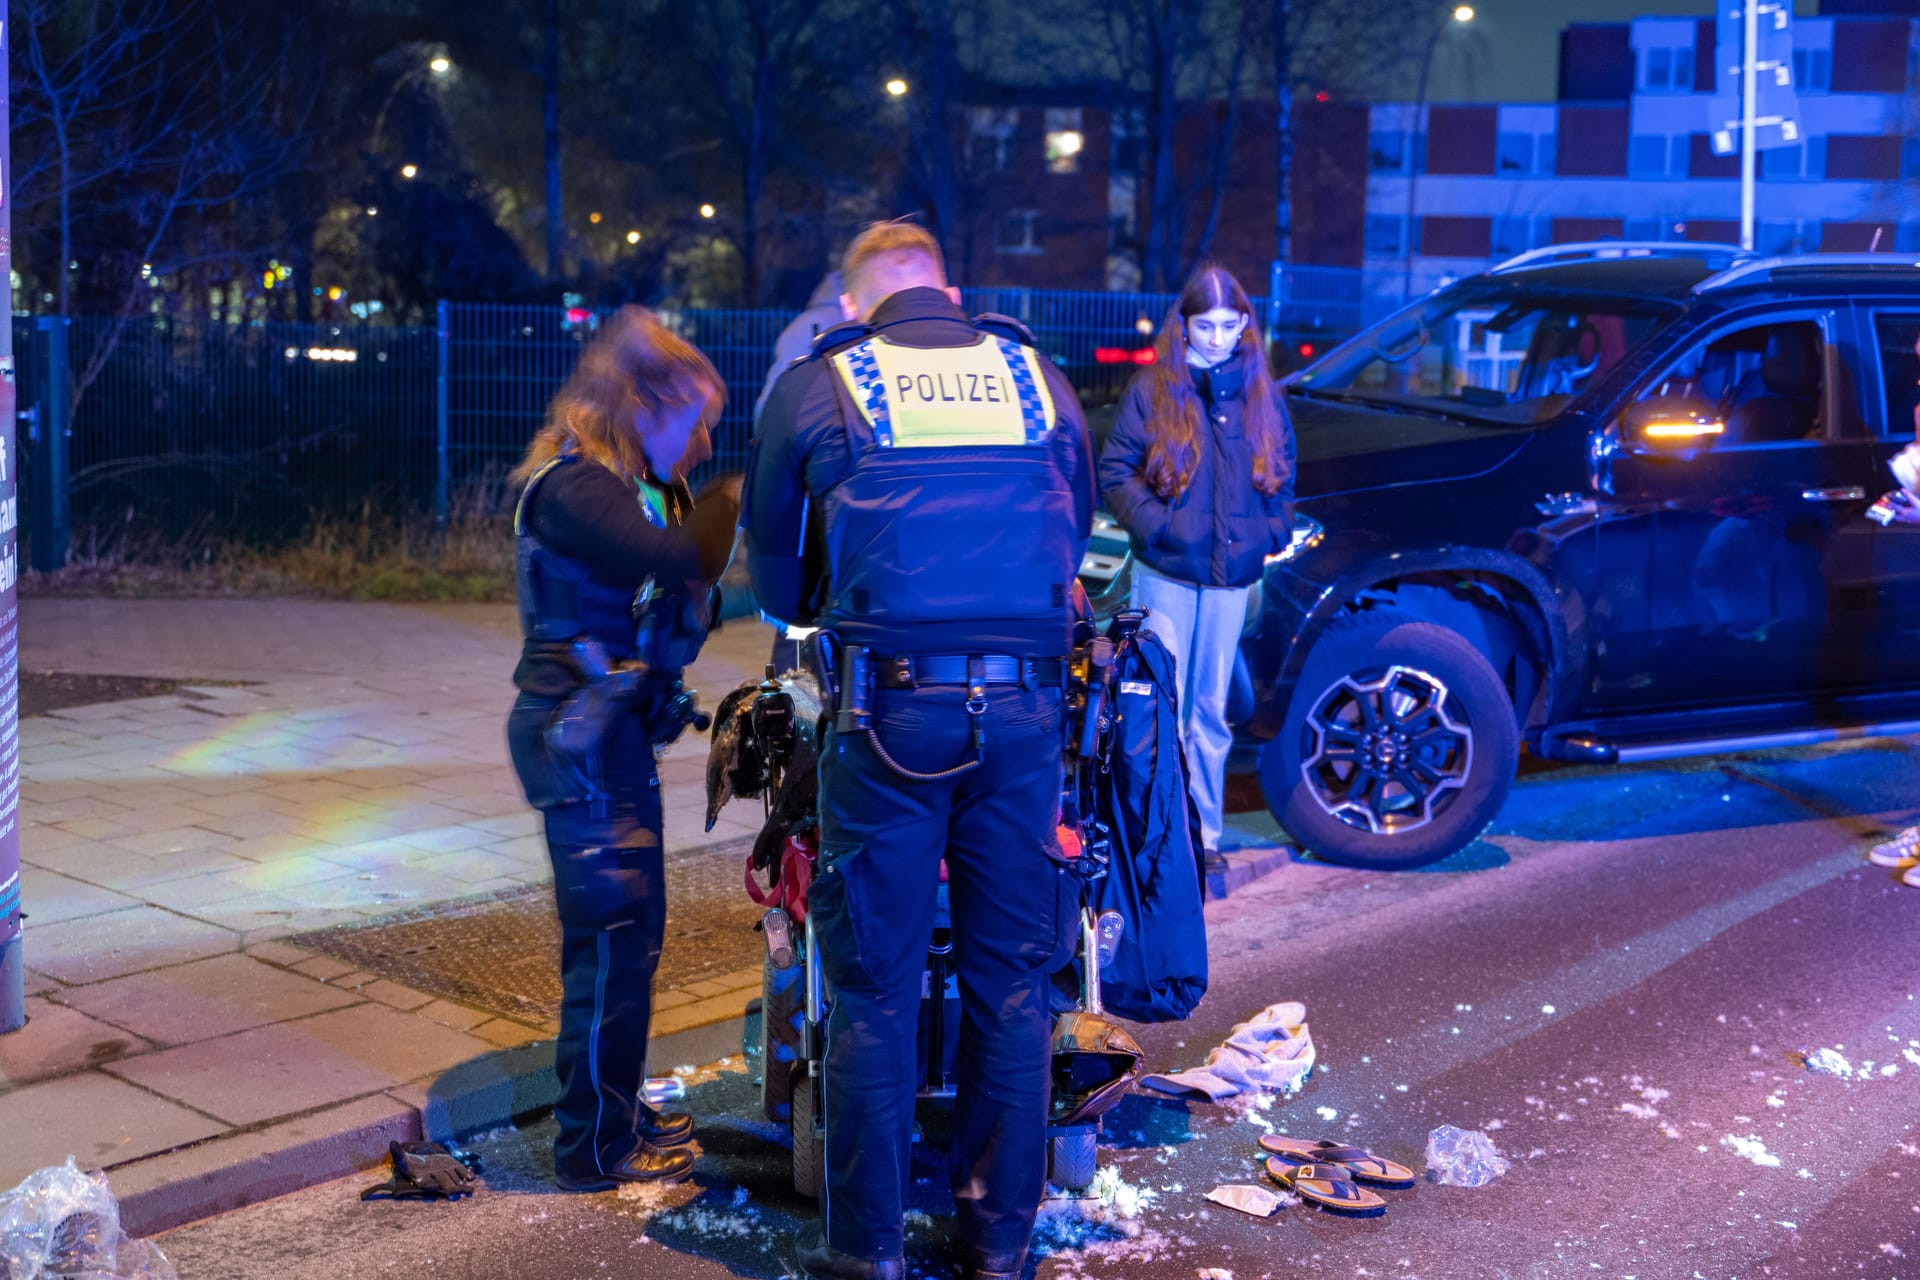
(1388,753)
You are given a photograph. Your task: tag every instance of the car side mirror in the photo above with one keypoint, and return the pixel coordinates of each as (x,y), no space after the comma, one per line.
(1673,426)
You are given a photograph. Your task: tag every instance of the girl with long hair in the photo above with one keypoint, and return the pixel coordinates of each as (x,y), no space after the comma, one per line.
(1199,469)
(614,560)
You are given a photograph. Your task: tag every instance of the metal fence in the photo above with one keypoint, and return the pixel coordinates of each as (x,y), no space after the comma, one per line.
(229,431)
(255,431)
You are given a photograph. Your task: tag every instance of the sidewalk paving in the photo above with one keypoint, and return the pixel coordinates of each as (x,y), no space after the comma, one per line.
(351,763)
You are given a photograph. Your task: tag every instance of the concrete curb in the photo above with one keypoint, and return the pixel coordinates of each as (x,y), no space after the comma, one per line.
(1244,866)
(236,1170)
(347,1138)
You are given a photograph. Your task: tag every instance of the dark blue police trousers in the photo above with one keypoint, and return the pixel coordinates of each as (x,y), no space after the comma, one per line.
(610,888)
(1013,903)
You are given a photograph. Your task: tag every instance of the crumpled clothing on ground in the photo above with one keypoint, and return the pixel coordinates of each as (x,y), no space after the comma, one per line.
(1271,1050)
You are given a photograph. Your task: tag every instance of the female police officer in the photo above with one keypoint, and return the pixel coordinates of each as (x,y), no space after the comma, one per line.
(613,563)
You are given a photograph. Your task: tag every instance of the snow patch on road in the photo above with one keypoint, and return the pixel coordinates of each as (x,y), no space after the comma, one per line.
(1750,1148)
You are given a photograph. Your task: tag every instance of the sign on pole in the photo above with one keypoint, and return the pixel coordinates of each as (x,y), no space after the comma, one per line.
(1753,107)
(13,1011)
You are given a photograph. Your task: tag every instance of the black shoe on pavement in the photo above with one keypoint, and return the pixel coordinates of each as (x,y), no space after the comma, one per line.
(821,1261)
(664,1128)
(995,1266)
(647,1164)
(1213,860)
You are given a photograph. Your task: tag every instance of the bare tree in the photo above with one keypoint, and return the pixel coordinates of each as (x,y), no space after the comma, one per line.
(752,55)
(141,136)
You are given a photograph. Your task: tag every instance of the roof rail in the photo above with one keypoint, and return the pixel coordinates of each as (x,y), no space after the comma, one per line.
(1760,270)
(1590,250)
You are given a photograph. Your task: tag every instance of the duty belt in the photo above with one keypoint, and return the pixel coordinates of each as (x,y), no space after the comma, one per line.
(907,671)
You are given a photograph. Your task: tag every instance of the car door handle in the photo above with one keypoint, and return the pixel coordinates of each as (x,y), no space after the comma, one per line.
(1842,493)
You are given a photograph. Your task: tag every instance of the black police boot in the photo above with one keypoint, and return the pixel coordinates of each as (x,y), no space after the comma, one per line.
(821,1261)
(664,1128)
(647,1164)
(982,1265)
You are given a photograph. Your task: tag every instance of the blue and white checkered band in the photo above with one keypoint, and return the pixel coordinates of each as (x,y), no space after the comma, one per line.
(872,391)
(1033,409)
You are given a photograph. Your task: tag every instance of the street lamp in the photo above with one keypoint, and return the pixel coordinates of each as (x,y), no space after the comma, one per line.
(409,171)
(896,88)
(1461,15)
(436,66)
(706,211)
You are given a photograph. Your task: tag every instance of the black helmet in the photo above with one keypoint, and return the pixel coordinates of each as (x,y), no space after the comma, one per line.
(1094,1062)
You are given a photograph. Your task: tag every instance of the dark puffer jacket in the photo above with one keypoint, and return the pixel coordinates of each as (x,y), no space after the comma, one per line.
(1220,531)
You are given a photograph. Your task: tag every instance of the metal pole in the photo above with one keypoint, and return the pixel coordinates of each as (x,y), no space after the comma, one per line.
(13,1004)
(443,338)
(1749,83)
(1413,128)
(52,432)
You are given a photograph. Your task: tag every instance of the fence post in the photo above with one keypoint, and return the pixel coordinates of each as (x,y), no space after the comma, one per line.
(443,338)
(50,429)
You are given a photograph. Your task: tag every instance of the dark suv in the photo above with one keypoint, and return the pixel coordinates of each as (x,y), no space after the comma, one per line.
(1609,500)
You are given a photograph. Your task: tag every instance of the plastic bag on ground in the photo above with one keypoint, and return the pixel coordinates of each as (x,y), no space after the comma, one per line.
(63,1224)
(1463,1157)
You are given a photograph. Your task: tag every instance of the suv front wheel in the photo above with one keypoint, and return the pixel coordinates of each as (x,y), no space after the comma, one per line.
(1398,747)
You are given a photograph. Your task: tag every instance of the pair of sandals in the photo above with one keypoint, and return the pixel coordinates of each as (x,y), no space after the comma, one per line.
(1329,1174)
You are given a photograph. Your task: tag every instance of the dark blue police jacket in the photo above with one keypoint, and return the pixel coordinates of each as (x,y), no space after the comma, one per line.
(967,547)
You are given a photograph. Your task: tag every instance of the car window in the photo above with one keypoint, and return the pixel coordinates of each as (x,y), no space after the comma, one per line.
(1765,381)
(1499,354)
(1898,337)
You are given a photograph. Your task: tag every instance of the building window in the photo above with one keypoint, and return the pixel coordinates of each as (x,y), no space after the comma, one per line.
(1065,140)
(1783,237)
(1643,230)
(1521,155)
(1513,235)
(1383,236)
(1126,128)
(1016,232)
(989,130)
(1813,70)
(1123,208)
(1658,155)
(1387,151)
(1803,161)
(1910,158)
(1666,69)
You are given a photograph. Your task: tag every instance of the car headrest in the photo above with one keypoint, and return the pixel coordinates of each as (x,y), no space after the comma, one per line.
(1791,366)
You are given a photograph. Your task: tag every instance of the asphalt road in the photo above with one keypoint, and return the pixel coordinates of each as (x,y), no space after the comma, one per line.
(1619,985)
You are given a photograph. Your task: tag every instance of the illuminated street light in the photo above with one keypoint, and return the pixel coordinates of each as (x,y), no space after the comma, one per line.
(633,237)
(594,218)
(440,65)
(896,88)
(372,212)
(409,171)
(1462,15)
(706,211)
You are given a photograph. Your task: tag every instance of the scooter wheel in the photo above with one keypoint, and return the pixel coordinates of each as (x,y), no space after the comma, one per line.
(1073,1158)
(808,1150)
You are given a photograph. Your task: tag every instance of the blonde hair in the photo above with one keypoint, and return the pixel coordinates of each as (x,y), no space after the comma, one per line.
(884,250)
(634,366)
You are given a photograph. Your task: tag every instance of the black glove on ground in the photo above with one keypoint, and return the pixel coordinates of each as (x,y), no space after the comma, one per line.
(424,1171)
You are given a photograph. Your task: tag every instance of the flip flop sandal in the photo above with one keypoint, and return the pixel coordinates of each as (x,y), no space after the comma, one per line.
(1326,1185)
(1361,1165)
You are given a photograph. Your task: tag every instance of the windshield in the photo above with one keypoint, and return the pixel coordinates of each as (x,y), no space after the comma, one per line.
(1488,352)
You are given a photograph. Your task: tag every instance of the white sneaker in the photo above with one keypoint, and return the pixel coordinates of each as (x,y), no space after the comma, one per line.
(1903,851)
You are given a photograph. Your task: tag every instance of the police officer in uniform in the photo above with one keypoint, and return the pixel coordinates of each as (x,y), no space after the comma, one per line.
(922,489)
(614,561)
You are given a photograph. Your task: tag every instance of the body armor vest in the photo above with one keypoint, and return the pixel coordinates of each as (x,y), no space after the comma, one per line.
(954,509)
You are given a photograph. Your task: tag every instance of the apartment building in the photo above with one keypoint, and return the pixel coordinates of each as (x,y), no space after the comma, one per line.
(1626,151)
